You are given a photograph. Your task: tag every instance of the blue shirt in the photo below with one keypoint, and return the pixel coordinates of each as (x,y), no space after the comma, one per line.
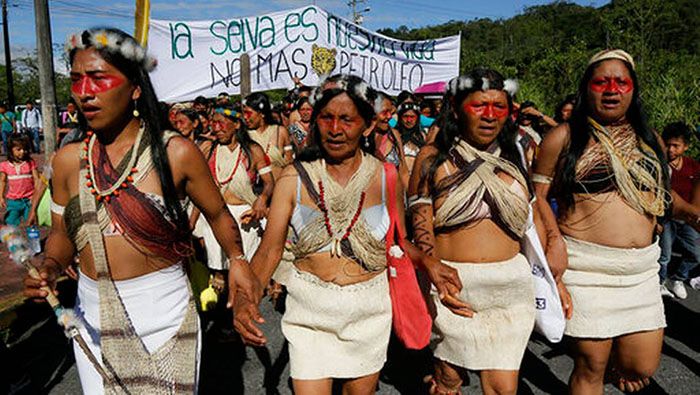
(7,119)
(425,122)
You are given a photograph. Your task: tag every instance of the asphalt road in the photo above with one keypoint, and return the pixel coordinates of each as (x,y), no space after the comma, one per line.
(229,368)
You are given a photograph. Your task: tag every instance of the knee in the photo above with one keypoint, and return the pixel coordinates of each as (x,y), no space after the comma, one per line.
(640,369)
(503,387)
(590,368)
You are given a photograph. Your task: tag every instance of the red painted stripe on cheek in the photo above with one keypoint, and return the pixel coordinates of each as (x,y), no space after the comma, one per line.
(88,85)
(489,110)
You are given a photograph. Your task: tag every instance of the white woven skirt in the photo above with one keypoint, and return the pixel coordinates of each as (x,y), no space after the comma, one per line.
(156,303)
(251,235)
(336,331)
(614,291)
(503,297)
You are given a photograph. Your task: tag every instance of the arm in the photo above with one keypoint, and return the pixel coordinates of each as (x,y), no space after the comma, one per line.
(566,304)
(286,144)
(548,120)
(245,307)
(545,166)
(59,249)
(685,211)
(39,189)
(3,181)
(260,206)
(403,168)
(445,278)
(199,185)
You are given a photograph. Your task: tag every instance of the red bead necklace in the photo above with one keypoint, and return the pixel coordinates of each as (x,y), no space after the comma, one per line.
(121,183)
(324,210)
(235,167)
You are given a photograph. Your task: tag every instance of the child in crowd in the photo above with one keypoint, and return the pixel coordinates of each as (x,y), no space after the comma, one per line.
(20,175)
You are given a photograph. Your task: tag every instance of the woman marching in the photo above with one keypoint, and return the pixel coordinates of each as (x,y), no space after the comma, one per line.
(385,140)
(410,131)
(273,138)
(127,224)
(606,168)
(470,203)
(338,314)
(186,121)
(236,162)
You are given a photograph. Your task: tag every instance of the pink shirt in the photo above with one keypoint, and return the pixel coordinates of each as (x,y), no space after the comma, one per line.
(20,183)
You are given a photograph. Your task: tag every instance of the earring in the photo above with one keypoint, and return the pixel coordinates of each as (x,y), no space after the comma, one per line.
(366,141)
(136,111)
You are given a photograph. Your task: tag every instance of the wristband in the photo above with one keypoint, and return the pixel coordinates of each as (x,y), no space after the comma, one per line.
(264,170)
(541,179)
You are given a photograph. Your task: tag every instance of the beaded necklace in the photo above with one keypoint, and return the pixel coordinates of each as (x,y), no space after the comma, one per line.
(123,180)
(233,172)
(336,247)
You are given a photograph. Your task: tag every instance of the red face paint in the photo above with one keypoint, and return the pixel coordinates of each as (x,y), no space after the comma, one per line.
(487,109)
(247,114)
(91,85)
(614,85)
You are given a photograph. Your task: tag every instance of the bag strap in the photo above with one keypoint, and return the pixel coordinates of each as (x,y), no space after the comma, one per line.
(308,184)
(393,236)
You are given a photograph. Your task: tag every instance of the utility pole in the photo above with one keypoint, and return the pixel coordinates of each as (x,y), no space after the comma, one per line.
(357,16)
(8,60)
(46,77)
(246,84)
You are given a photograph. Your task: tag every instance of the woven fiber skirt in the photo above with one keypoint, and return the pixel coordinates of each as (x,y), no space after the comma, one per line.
(156,304)
(503,297)
(336,331)
(251,235)
(614,291)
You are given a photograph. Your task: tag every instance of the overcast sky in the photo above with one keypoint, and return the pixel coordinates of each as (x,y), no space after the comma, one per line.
(70,16)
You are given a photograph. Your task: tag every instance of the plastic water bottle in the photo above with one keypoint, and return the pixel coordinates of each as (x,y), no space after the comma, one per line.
(17,244)
(34,239)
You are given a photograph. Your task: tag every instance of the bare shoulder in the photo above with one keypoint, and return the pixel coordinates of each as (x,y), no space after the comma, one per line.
(289,173)
(182,151)
(286,184)
(557,138)
(426,156)
(67,159)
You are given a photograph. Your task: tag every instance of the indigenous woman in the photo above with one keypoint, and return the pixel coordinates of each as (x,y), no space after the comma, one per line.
(470,202)
(273,138)
(236,163)
(385,140)
(299,130)
(606,169)
(338,312)
(186,121)
(410,131)
(127,224)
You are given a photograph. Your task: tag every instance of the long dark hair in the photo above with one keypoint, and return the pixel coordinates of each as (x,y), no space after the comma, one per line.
(451,130)
(149,110)
(361,95)
(19,141)
(260,102)
(193,116)
(580,135)
(414,134)
(242,136)
(569,99)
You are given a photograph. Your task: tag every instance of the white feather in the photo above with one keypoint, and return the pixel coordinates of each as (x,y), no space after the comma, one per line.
(510,86)
(485,84)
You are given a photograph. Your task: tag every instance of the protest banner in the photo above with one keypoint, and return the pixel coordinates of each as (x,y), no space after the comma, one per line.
(203,57)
